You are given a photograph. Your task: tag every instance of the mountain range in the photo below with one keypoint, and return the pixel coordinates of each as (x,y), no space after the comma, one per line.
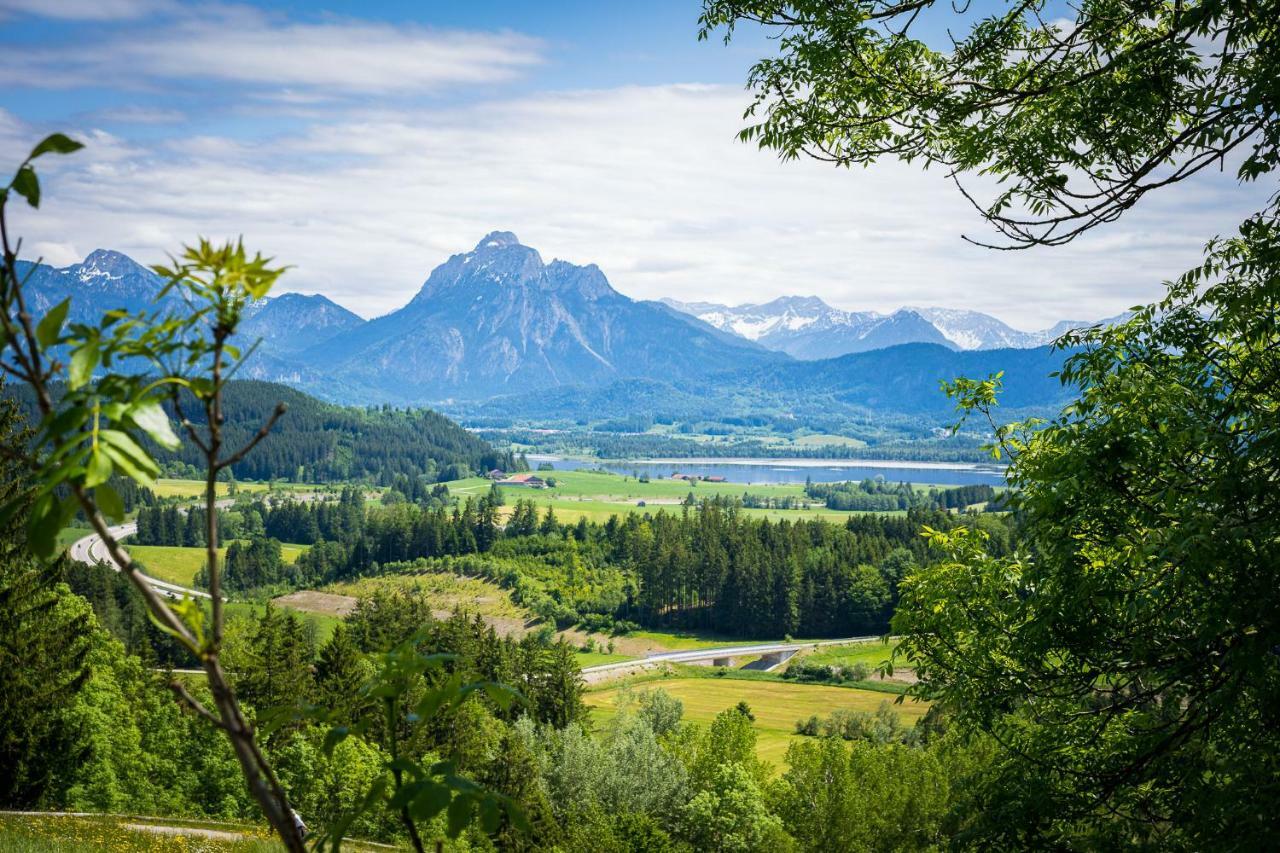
(498,329)
(805,327)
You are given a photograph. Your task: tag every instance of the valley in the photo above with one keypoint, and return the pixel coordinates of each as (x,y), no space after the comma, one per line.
(877,457)
(780,704)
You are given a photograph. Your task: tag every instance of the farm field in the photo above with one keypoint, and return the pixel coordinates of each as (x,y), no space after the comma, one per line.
(777,705)
(169,487)
(180,565)
(597,495)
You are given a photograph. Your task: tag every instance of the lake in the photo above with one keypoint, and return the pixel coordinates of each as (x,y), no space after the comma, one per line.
(791,470)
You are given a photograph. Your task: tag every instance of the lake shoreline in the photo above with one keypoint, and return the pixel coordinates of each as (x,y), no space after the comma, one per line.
(777,462)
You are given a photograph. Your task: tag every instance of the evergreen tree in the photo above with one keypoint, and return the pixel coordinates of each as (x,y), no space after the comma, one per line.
(340,672)
(43,649)
(277,673)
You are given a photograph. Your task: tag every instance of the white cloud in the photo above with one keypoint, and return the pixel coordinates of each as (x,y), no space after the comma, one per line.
(648,182)
(240,45)
(140,115)
(84,10)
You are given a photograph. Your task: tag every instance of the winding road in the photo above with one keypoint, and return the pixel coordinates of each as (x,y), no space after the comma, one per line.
(92,550)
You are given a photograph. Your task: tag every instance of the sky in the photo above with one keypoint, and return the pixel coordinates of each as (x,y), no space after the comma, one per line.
(363,143)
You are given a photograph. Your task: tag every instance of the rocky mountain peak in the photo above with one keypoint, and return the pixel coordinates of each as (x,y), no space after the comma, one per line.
(497,240)
(105,263)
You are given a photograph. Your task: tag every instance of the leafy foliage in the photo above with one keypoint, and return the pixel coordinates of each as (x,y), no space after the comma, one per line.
(1126,658)
(1075,120)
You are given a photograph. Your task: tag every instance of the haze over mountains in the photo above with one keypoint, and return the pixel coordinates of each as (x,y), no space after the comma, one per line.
(498,322)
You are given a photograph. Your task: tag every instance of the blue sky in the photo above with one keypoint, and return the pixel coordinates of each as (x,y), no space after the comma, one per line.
(365,142)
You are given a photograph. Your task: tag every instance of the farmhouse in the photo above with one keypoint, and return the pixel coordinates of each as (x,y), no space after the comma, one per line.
(528,481)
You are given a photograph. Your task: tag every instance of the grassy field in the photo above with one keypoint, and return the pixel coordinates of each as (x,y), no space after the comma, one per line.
(872,654)
(597,658)
(824,440)
(171,488)
(50,833)
(776,705)
(679,641)
(596,495)
(180,565)
(169,563)
(70,534)
(445,590)
(322,623)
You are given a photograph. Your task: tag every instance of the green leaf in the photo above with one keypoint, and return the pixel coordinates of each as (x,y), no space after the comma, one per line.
(98,471)
(151,419)
(459,815)
(144,476)
(430,802)
(27,185)
(124,442)
(336,735)
(50,325)
(55,143)
(109,503)
(42,526)
(191,613)
(490,816)
(83,362)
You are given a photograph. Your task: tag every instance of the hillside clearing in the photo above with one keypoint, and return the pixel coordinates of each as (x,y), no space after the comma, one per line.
(777,705)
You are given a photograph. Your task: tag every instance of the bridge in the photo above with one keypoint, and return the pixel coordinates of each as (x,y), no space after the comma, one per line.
(770,656)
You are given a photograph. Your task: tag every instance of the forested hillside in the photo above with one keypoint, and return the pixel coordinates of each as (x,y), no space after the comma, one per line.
(318,442)
(322,442)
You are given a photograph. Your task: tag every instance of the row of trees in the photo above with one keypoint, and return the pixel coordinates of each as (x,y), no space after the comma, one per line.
(710,565)
(878,495)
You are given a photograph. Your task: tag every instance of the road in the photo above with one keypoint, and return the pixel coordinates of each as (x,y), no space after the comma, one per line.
(91,549)
(717,653)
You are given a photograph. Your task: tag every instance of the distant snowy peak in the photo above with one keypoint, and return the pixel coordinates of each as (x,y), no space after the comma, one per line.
(779,318)
(970,330)
(808,328)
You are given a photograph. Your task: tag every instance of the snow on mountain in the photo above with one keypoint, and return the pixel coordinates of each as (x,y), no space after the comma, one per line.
(808,328)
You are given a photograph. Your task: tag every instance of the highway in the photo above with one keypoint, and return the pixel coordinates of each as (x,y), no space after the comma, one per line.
(782,651)
(91,549)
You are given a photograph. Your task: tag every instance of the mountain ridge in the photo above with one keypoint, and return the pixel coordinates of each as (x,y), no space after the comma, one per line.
(499,323)
(807,328)
(498,319)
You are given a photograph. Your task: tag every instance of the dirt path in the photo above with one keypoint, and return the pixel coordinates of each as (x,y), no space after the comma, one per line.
(196,831)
